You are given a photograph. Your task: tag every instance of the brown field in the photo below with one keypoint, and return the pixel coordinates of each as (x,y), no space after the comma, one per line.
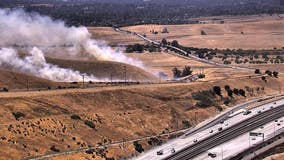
(112,37)
(105,69)
(258,34)
(15,80)
(164,62)
(115,111)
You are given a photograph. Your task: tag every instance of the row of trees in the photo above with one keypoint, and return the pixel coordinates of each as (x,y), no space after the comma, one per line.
(268,72)
(185,72)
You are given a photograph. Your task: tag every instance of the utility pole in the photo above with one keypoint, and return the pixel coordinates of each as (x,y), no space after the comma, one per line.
(222,152)
(195,118)
(124,74)
(83,81)
(27,84)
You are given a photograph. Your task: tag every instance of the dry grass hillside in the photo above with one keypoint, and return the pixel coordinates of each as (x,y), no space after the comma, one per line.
(112,37)
(72,119)
(258,34)
(14,80)
(105,69)
(164,62)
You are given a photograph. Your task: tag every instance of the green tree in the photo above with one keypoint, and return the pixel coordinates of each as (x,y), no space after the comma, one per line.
(217,90)
(186,71)
(176,72)
(175,43)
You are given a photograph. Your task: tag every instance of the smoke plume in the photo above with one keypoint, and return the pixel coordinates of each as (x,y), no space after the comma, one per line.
(31,30)
(35,64)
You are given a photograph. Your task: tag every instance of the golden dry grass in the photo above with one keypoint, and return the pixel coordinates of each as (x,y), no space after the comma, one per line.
(105,69)
(15,80)
(116,112)
(258,34)
(112,37)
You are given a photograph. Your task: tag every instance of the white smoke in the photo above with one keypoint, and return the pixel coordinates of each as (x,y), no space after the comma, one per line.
(35,64)
(19,28)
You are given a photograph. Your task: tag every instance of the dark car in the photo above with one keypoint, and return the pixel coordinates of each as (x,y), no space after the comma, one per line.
(220,129)
(212,155)
(160,152)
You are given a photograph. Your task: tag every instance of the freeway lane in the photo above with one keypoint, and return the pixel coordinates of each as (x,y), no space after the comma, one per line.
(202,133)
(228,134)
(237,145)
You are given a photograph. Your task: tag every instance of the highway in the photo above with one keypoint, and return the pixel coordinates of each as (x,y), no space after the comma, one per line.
(230,149)
(188,139)
(228,134)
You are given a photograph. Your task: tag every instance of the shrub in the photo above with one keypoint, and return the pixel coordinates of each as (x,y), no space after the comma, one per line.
(176,72)
(186,124)
(138,147)
(200,76)
(268,72)
(203,32)
(75,117)
(264,78)
(227,101)
(164,41)
(219,108)
(204,98)
(257,71)
(186,71)
(242,92)
(230,93)
(18,115)
(154,141)
(5,89)
(236,91)
(275,74)
(227,62)
(175,43)
(227,87)
(90,124)
(217,90)
(90,151)
(54,149)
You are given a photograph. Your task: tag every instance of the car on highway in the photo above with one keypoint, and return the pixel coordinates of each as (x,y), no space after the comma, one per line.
(160,152)
(212,155)
(173,150)
(211,131)
(247,112)
(220,129)
(195,141)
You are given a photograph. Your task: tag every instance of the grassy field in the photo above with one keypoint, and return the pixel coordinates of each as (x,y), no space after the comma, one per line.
(115,111)
(106,69)
(14,80)
(112,37)
(267,34)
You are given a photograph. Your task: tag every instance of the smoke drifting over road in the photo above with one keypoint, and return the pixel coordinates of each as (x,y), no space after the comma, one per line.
(19,28)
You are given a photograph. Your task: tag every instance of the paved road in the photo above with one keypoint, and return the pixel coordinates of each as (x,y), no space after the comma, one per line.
(183,52)
(228,134)
(226,115)
(202,133)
